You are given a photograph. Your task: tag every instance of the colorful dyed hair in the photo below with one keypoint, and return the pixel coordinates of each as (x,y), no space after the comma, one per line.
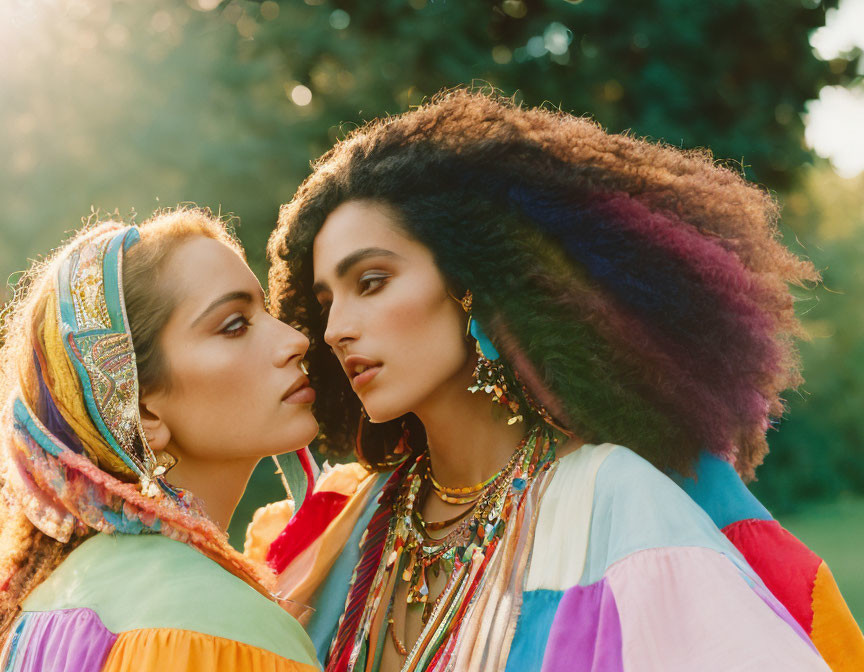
(59,482)
(640,291)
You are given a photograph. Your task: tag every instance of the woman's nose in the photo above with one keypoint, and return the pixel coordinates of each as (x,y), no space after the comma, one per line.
(293,344)
(341,328)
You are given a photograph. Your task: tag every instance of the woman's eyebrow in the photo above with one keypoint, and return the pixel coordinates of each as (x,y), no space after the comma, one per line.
(225,298)
(350,260)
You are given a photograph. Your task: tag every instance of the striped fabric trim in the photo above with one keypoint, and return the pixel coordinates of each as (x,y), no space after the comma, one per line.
(66,640)
(370,558)
(372,546)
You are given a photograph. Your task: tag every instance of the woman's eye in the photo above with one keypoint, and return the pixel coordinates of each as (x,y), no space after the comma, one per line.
(236,327)
(371,283)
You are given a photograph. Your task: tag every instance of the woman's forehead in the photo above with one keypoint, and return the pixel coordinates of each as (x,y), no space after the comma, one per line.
(353,227)
(204,268)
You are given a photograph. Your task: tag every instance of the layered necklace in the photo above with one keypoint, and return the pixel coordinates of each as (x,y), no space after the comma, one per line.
(479,523)
(463,554)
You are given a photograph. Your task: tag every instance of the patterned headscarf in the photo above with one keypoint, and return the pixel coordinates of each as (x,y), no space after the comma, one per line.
(77,459)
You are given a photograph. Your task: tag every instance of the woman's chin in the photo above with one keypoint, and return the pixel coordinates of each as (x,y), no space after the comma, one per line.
(303,431)
(383,406)
(310,433)
(385,415)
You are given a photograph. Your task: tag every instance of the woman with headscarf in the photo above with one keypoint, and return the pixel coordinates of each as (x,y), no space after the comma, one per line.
(142,380)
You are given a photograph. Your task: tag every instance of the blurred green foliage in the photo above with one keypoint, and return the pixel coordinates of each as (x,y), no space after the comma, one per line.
(129,106)
(818,450)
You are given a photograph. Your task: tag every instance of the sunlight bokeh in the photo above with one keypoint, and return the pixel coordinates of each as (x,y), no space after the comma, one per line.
(835,121)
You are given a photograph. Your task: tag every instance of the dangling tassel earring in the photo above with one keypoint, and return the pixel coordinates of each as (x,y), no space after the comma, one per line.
(400,452)
(155,466)
(490,374)
(403,448)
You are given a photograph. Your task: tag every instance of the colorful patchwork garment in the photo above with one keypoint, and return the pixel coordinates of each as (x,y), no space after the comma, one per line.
(798,577)
(608,566)
(151,604)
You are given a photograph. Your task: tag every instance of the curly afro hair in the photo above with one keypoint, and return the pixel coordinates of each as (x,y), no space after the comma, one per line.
(640,292)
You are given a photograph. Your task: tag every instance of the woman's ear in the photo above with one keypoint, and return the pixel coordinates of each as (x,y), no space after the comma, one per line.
(157,432)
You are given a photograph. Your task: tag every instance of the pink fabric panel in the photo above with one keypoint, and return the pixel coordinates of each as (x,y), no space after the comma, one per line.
(778,608)
(686,608)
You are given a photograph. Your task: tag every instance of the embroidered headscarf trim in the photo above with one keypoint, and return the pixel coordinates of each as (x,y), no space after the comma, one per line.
(95,333)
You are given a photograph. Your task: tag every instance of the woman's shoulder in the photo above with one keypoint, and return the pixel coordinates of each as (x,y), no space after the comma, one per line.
(615,479)
(604,503)
(149,582)
(623,552)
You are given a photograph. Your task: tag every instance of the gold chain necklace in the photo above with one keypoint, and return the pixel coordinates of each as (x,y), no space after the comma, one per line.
(471,493)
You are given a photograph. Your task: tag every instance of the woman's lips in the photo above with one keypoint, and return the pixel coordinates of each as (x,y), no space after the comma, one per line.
(305,395)
(360,370)
(362,379)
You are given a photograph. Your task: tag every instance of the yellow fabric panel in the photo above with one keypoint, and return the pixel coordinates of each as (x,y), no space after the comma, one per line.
(170,650)
(835,632)
(345,479)
(267,524)
(68,396)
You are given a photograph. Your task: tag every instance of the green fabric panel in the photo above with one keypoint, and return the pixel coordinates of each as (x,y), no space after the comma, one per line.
(150,581)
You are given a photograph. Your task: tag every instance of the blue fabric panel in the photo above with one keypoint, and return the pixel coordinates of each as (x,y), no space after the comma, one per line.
(532,630)
(719,490)
(636,507)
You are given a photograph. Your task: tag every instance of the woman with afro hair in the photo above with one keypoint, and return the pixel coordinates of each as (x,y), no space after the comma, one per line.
(529,330)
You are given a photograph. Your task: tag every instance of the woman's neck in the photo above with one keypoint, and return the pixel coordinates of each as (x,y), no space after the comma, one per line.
(468,435)
(218,485)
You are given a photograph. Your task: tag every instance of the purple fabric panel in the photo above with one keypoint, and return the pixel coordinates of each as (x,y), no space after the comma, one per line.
(586,632)
(778,608)
(67,640)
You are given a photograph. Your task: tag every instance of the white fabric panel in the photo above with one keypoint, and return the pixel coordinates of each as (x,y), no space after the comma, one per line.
(564,522)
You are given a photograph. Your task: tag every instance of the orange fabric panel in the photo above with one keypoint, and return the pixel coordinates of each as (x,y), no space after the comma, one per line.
(267,523)
(170,650)
(835,632)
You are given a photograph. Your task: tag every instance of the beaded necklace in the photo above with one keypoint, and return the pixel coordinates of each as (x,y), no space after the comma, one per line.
(463,555)
(425,553)
(467,495)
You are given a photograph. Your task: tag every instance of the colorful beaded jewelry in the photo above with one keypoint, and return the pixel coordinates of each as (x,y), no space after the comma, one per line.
(461,554)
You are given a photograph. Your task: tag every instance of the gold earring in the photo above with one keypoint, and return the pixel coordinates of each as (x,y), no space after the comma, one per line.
(165,461)
(466,302)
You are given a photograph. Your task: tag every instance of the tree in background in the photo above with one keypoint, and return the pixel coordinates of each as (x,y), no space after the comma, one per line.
(818,452)
(135,105)
(129,105)
(713,74)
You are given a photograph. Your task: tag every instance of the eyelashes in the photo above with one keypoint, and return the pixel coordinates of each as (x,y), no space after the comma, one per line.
(236,327)
(369,283)
(372,282)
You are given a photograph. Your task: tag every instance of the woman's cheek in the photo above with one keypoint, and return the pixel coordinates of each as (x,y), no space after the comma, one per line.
(223,388)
